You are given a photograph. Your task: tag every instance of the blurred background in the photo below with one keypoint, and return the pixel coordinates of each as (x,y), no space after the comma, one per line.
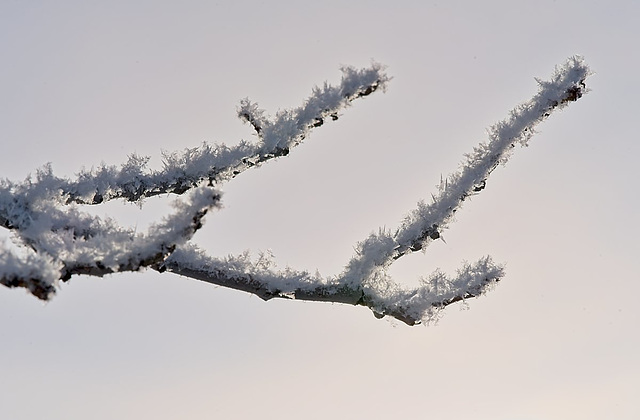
(83,83)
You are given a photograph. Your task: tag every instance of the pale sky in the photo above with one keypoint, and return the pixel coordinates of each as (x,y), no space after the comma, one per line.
(82,83)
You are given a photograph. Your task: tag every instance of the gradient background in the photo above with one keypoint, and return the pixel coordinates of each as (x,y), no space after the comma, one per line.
(88,82)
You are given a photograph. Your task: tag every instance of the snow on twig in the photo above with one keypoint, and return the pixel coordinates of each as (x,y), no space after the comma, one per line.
(62,241)
(217,163)
(37,273)
(365,280)
(426,223)
(43,218)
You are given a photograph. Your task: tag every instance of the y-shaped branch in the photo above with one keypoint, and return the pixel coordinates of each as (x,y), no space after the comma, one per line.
(365,280)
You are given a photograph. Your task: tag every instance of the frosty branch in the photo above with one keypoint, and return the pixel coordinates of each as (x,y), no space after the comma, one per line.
(57,240)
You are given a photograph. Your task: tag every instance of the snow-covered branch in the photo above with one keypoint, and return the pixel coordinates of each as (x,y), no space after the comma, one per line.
(59,240)
(261,278)
(184,170)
